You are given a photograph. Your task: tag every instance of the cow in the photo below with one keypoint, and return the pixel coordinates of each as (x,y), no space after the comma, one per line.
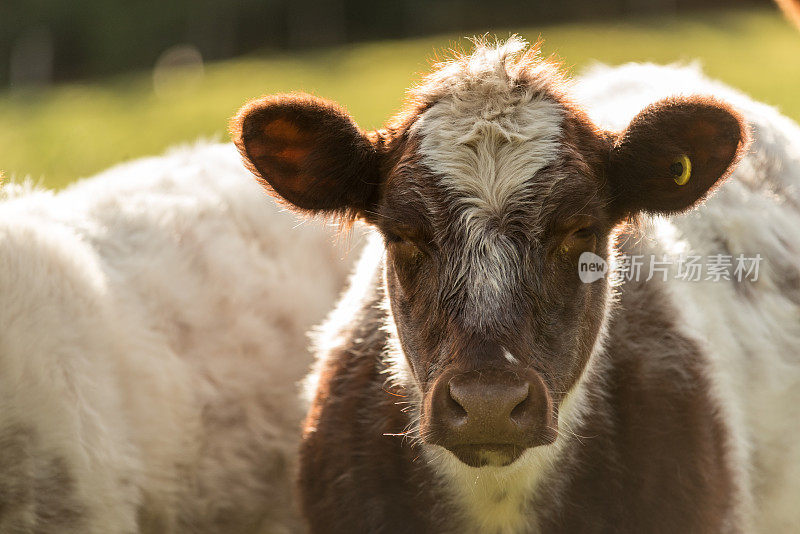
(152,332)
(496,366)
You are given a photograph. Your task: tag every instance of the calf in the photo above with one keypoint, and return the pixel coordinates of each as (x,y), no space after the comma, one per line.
(482,374)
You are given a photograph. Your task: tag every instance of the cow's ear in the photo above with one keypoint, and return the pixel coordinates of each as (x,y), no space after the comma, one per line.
(309,152)
(672,155)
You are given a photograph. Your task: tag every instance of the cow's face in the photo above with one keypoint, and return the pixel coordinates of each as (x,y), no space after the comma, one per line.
(489,190)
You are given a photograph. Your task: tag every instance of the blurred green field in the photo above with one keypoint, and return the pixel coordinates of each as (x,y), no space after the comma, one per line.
(57,135)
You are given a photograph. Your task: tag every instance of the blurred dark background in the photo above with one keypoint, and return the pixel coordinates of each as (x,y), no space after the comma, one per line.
(45,41)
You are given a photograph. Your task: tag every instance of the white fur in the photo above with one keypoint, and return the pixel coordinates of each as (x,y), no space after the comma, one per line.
(152,330)
(486,139)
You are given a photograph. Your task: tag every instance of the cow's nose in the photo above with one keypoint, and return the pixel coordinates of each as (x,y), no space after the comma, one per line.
(489,416)
(488,409)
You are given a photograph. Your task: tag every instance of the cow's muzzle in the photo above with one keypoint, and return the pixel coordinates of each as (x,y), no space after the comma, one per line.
(488,416)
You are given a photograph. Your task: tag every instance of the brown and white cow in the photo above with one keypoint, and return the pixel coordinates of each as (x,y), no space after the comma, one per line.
(470,381)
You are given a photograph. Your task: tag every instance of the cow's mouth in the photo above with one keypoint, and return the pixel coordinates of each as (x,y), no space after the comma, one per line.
(488,454)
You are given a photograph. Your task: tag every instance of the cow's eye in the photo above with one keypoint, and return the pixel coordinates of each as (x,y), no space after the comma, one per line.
(584,233)
(404,242)
(407,249)
(404,249)
(408,260)
(579,240)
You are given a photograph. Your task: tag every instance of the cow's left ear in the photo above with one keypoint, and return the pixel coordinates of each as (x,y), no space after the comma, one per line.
(309,152)
(672,155)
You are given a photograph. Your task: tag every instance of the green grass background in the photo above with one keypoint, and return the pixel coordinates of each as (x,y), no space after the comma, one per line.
(60,134)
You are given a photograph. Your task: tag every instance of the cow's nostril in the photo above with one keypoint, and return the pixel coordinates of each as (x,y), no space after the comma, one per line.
(519,413)
(457,410)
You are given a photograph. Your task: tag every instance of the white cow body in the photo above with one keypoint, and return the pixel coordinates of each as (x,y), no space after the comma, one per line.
(152,330)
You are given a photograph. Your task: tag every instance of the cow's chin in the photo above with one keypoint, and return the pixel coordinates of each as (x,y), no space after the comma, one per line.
(487,455)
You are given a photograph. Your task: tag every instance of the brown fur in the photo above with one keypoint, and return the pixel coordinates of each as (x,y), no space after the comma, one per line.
(357,474)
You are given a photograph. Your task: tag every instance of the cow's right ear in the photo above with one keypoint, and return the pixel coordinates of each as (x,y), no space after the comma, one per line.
(310,152)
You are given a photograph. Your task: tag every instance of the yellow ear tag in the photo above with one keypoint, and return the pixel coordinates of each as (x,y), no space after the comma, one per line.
(681,169)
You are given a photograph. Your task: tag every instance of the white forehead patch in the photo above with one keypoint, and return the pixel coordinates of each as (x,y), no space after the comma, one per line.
(485,138)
